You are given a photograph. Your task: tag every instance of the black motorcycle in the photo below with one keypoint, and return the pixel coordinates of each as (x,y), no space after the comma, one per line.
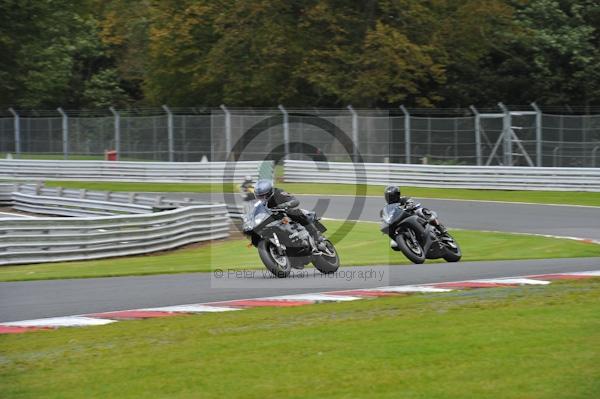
(415,236)
(284,244)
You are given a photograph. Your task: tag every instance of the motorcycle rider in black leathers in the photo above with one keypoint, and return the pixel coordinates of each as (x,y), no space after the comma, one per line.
(276,198)
(392,196)
(247,189)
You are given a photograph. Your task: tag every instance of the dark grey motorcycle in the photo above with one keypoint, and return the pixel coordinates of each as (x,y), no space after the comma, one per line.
(284,245)
(412,233)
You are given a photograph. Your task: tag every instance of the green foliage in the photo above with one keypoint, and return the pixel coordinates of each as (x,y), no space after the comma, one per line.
(103,90)
(46,48)
(309,53)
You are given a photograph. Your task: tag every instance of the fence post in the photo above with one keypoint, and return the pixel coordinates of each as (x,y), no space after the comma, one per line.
(506,130)
(594,152)
(354,132)
(406,133)
(65,132)
(477,134)
(117,132)
(227,131)
(17,125)
(555,156)
(170,135)
(538,135)
(286,131)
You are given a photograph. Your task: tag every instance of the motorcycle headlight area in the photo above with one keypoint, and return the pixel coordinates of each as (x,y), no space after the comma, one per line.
(250,222)
(261,217)
(387,217)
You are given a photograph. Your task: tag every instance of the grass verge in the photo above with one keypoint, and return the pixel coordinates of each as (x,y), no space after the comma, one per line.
(538,197)
(532,342)
(363,245)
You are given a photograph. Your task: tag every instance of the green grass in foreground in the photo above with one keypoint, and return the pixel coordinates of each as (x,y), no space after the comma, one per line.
(530,342)
(364,245)
(540,197)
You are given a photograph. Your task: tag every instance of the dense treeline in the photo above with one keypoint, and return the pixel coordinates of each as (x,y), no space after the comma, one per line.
(93,53)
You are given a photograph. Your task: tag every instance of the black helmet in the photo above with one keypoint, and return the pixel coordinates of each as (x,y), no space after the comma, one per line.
(392,194)
(263,190)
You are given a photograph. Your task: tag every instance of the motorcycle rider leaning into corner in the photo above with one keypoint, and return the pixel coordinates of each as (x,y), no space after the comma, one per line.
(276,198)
(392,196)
(247,188)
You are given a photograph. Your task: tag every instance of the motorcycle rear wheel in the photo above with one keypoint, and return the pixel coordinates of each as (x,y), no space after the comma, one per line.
(279,265)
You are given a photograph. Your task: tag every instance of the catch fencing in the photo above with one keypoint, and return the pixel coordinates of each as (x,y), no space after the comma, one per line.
(512,178)
(104,224)
(505,136)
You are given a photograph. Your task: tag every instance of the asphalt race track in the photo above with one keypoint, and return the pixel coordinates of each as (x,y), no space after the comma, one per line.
(561,220)
(37,299)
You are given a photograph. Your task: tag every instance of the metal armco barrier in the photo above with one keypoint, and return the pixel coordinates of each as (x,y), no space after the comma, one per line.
(103,224)
(64,239)
(476,177)
(6,191)
(160,172)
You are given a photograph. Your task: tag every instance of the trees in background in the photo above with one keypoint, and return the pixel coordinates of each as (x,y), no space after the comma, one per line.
(369,53)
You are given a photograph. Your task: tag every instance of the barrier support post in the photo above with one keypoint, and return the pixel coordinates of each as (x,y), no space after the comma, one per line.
(17,125)
(117,132)
(354,133)
(65,132)
(538,135)
(227,131)
(406,133)
(170,133)
(506,131)
(286,131)
(477,134)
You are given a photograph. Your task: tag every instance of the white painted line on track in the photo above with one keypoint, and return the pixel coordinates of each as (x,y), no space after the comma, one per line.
(408,289)
(593,273)
(190,309)
(312,297)
(67,321)
(516,281)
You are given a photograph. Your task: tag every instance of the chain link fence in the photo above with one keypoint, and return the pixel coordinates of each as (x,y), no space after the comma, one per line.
(461,137)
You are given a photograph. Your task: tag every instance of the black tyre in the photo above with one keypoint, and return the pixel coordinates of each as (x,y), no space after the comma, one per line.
(277,264)
(452,251)
(409,245)
(329,262)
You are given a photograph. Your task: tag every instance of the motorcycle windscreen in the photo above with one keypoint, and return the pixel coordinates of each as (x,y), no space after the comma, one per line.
(392,214)
(256,217)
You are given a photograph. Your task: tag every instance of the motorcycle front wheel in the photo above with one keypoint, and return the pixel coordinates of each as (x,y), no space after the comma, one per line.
(452,251)
(409,245)
(276,263)
(329,262)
